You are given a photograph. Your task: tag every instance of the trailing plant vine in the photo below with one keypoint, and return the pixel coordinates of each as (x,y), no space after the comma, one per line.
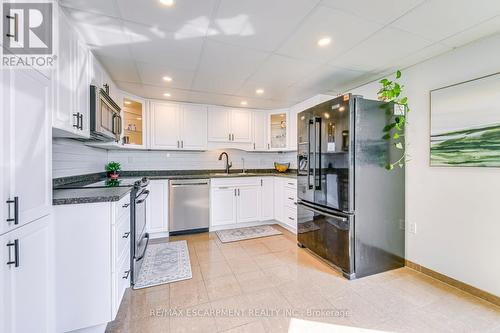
(391,91)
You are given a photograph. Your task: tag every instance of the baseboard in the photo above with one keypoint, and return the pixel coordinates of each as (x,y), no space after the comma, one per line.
(287,227)
(455,283)
(241,225)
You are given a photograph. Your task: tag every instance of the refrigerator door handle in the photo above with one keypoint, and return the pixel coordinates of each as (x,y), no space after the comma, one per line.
(309,154)
(324,212)
(317,144)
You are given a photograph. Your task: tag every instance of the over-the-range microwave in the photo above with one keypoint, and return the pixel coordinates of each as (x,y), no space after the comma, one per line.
(105,119)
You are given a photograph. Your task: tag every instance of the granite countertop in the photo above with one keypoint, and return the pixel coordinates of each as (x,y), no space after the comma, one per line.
(64,196)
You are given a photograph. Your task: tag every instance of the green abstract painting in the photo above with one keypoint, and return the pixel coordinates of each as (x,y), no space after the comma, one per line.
(465,124)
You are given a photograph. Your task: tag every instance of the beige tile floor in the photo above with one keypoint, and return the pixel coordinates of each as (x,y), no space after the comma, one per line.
(269,284)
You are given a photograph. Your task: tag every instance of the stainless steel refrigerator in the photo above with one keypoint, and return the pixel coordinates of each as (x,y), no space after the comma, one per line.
(350,208)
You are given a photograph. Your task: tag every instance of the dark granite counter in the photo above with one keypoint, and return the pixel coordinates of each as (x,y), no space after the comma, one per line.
(65,196)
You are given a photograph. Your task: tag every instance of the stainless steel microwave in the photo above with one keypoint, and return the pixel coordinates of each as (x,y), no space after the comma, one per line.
(105,119)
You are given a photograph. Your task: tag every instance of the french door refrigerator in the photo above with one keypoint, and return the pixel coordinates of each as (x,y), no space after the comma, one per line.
(350,208)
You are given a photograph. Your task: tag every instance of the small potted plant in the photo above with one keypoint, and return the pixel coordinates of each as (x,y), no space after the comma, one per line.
(112,169)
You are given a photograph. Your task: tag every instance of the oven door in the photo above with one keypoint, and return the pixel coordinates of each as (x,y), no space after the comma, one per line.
(327,234)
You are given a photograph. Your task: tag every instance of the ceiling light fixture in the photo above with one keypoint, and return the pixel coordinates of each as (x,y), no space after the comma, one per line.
(166,94)
(259,91)
(168,3)
(244,103)
(167,78)
(324,41)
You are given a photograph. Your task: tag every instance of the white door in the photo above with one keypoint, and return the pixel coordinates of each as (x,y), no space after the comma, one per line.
(82,86)
(29,139)
(165,126)
(158,206)
(241,125)
(259,130)
(248,204)
(26,281)
(223,206)
(219,124)
(278,199)
(194,127)
(267,199)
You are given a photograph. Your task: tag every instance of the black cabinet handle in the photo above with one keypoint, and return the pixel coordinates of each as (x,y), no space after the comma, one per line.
(77,116)
(126,205)
(80,121)
(125,235)
(127,273)
(291,218)
(290,198)
(16,253)
(16,210)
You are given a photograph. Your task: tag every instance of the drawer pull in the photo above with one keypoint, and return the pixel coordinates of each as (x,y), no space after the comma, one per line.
(291,184)
(290,198)
(125,235)
(127,273)
(291,218)
(126,205)
(14,262)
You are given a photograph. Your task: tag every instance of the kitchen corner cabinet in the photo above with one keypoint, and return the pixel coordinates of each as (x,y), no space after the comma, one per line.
(176,126)
(229,125)
(26,278)
(26,176)
(70,82)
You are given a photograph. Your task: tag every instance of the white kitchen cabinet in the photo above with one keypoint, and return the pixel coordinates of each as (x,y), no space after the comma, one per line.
(158,208)
(267,199)
(26,148)
(178,126)
(278,130)
(248,204)
(278,198)
(26,280)
(292,129)
(134,120)
(223,206)
(229,125)
(260,131)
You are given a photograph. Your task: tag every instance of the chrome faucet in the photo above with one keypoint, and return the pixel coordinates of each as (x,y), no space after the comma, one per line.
(228,165)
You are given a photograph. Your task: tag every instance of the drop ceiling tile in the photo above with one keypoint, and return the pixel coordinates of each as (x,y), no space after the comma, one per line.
(132,88)
(429,52)
(120,69)
(108,7)
(103,34)
(329,77)
(439,19)
(234,61)
(345,31)
(157,92)
(282,71)
(381,11)
(221,84)
(259,24)
(156,46)
(153,75)
(381,50)
(488,28)
(271,91)
(184,15)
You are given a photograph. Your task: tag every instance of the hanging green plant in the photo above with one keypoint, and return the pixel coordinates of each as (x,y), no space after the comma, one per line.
(392,91)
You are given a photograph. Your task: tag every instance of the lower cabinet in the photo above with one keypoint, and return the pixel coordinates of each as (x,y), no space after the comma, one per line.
(223,206)
(157,208)
(248,204)
(26,278)
(267,199)
(92,260)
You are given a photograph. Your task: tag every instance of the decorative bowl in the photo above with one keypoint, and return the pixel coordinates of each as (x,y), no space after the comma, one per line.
(281,167)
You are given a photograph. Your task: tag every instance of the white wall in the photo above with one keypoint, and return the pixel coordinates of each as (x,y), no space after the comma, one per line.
(71,157)
(456,209)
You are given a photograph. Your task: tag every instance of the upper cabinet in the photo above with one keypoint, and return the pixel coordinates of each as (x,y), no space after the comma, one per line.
(177,126)
(134,120)
(260,131)
(229,125)
(278,130)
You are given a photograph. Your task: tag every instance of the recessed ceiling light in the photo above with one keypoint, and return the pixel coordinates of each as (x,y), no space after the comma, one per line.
(259,91)
(166,94)
(324,41)
(167,78)
(244,103)
(128,102)
(167,2)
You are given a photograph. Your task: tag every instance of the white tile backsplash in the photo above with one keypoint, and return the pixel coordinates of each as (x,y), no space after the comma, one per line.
(72,157)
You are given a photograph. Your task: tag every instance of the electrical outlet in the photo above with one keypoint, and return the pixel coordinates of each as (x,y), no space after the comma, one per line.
(413,228)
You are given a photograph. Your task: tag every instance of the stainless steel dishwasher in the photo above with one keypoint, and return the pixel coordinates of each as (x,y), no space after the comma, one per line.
(188,206)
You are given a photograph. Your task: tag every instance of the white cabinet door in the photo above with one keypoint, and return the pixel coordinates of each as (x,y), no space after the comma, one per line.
(241,125)
(292,129)
(158,206)
(248,206)
(28,147)
(165,129)
(223,206)
(26,283)
(219,124)
(194,127)
(278,199)
(259,130)
(82,87)
(267,199)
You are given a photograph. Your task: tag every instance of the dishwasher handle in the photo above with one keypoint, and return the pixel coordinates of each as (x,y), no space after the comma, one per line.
(190,184)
